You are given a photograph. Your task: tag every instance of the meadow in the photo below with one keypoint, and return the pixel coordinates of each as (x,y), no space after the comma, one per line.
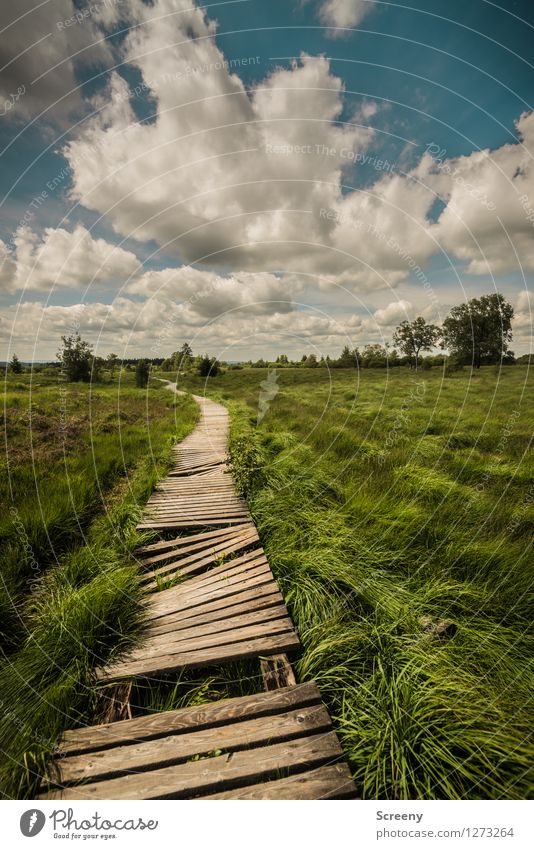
(79,464)
(397,512)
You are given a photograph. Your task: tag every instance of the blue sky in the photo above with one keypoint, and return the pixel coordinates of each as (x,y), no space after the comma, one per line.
(357,163)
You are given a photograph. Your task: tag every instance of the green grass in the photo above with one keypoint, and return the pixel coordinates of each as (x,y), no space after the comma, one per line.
(67,446)
(381,499)
(70,594)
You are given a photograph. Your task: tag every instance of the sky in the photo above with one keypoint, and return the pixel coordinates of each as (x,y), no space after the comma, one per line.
(260,177)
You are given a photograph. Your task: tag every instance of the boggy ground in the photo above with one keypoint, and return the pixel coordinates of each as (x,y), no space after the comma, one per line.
(397,512)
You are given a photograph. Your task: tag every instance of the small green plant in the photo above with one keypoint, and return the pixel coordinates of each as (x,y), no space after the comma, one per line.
(454,364)
(165,582)
(142,373)
(245,464)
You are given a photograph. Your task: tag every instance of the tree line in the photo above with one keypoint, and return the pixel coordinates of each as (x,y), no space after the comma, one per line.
(476,333)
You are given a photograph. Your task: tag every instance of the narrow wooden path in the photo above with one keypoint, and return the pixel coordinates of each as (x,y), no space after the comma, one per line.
(211,598)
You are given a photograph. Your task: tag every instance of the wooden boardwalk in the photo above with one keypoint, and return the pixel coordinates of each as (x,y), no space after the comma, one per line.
(211,598)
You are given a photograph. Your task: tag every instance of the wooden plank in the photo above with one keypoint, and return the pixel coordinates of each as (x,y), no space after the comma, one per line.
(256,596)
(165,664)
(277,672)
(234,632)
(189,631)
(176,621)
(209,715)
(327,782)
(184,541)
(189,523)
(256,576)
(186,780)
(177,748)
(200,560)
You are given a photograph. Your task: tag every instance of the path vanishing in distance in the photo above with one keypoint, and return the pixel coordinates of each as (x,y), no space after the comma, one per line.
(222,604)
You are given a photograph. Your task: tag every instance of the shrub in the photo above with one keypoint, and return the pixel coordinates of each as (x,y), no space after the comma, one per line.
(453,365)
(142,373)
(245,464)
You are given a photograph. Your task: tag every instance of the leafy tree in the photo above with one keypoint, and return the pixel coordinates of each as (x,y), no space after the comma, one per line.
(142,373)
(113,362)
(76,357)
(15,365)
(348,358)
(183,357)
(208,367)
(374,356)
(412,337)
(480,330)
(98,365)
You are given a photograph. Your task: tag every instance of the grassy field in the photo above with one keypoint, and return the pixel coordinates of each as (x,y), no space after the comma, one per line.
(80,462)
(397,511)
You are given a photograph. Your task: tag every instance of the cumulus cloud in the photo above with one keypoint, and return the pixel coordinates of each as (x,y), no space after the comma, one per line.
(234,177)
(488,220)
(40,54)
(393,314)
(157,327)
(344,13)
(208,294)
(61,258)
(523,318)
(240,179)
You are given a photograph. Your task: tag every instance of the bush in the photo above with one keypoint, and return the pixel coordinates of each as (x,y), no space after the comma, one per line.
(453,365)
(142,373)
(208,367)
(245,464)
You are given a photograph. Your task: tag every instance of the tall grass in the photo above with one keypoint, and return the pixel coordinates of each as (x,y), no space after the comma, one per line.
(384,508)
(67,446)
(83,609)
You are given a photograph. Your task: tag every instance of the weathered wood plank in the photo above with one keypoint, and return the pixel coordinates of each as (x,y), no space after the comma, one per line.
(177,621)
(327,782)
(186,780)
(255,596)
(165,664)
(209,715)
(177,748)
(277,672)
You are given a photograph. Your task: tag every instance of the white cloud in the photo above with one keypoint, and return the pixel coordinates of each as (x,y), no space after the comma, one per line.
(393,314)
(489,218)
(157,327)
(523,318)
(208,295)
(63,259)
(37,43)
(239,178)
(344,13)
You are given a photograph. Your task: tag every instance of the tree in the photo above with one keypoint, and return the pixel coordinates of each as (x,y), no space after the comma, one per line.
(76,357)
(112,361)
(208,366)
(412,337)
(15,365)
(374,356)
(142,373)
(480,330)
(183,357)
(348,358)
